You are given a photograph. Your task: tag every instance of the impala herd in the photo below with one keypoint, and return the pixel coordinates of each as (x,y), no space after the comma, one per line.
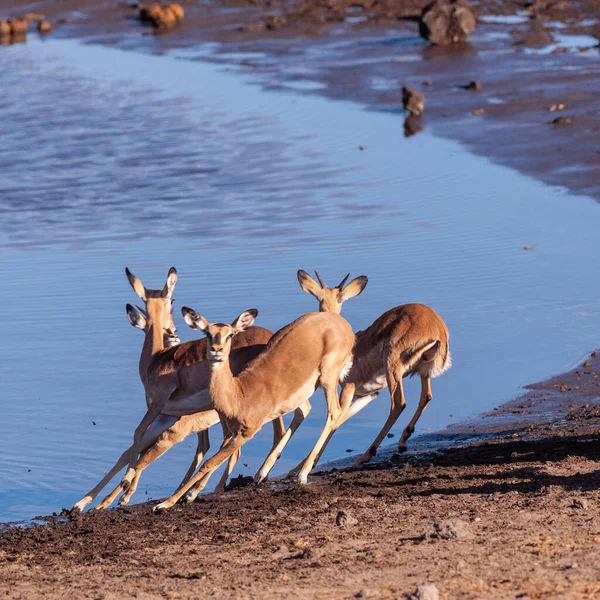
(244,376)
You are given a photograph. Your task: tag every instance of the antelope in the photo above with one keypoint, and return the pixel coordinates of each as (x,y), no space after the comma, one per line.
(165,431)
(411,339)
(313,351)
(178,374)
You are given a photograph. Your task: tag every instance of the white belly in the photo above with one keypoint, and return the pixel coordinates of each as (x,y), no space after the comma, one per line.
(190,405)
(297,399)
(376,383)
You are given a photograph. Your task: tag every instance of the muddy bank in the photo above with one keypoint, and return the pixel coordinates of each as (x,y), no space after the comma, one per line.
(513,516)
(533,56)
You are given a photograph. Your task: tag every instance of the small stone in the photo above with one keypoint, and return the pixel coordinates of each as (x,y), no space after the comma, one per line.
(564,388)
(450,529)
(478,112)
(580,503)
(391,435)
(349,450)
(367,593)
(362,148)
(5,28)
(560,121)
(527,247)
(413,100)
(474,86)
(44,26)
(343,519)
(426,592)
(556,107)
(427,83)
(587,364)
(594,354)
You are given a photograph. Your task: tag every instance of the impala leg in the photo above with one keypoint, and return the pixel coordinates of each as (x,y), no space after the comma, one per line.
(213,463)
(89,497)
(151,414)
(398,403)
(333,414)
(299,415)
(192,494)
(424,400)
(201,450)
(220,487)
(345,404)
(153,436)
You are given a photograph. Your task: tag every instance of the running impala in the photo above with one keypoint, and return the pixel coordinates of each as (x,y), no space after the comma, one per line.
(183,370)
(411,339)
(313,351)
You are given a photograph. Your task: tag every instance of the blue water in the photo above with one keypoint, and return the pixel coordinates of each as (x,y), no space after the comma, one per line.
(113,158)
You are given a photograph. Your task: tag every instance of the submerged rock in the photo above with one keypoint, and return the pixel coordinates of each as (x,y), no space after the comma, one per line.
(413,100)
(445,22)
(18,26)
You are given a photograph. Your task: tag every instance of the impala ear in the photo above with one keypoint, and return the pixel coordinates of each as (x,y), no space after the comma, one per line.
(171,282)
(309,285)
(245,320)
(136,284)
(135,317)
(354,288)
(194,320)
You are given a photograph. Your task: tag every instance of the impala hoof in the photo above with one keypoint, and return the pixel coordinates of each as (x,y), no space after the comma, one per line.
(302,478)
(81,504)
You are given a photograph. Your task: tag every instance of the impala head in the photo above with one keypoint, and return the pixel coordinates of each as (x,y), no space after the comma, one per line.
(159,303)
(137,318)
(219,335)
(331,299)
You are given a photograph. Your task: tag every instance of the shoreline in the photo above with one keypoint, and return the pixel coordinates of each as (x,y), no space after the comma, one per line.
(512,515)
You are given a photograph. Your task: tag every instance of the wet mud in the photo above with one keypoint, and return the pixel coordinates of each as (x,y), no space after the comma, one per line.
(514,515)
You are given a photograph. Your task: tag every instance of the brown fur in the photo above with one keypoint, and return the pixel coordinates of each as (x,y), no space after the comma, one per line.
(308,353)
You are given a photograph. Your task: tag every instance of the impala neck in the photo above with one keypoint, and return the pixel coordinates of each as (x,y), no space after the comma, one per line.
(224,388)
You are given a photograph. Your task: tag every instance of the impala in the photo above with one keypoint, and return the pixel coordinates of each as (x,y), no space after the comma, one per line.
(411,339)
(313,351)
(183,370)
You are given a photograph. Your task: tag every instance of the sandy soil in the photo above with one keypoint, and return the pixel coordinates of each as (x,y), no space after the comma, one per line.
(513,516)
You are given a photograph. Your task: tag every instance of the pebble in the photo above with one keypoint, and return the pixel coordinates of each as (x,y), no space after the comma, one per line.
(426,592)
(562,121)
(343,519)
(413,100)
(580,503)
(450,529)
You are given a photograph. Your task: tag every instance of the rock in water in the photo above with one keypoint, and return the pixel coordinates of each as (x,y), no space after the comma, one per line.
(44,26)
(445,22)
(412,100)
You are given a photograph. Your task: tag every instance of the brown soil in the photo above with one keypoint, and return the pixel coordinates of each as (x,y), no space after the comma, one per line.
(515,516)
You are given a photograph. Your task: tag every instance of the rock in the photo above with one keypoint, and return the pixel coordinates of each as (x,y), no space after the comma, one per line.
(473,85)
(560,121)
(587,364)
(527,247)
(5,28)
(426,592)
(343,519)
(556,107)
(45,27)
(413,100)
(478,112)
(18,26)
(580,503)
(150,13)
(450,529)
(445,22)
(178,10)
(274,22)
(367,593)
